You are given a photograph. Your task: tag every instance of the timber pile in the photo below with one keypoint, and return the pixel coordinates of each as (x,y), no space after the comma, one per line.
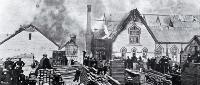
(118,70)
(67,73)
(154,77)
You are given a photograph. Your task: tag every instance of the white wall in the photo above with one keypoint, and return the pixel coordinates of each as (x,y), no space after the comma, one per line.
(21,44)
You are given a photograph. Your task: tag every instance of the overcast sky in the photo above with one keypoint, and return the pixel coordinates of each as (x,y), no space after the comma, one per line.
(18,12)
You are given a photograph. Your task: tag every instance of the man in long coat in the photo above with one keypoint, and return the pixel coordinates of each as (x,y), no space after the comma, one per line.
(45,63)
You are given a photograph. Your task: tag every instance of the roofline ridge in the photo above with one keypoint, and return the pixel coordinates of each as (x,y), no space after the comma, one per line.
(170,14)
(36,28)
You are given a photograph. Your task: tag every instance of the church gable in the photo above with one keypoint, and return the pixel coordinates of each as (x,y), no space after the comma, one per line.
(134,36)
(134,16)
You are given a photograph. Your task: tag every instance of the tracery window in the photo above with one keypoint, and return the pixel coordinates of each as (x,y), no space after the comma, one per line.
(159,50)
(144,52)
(134,51)
(134,35)
(123,51)
(174,51)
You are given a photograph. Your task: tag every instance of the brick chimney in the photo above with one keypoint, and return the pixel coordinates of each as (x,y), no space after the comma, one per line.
(89,34)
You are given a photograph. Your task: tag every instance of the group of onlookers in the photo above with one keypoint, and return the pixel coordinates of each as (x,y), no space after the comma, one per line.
(129,62)
(101,65)
(13,73)
(164,65)
(161,65)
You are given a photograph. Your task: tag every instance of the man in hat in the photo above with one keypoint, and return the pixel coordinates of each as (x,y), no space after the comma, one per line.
(45,63)
(77,75)
(19,64)
(8,63)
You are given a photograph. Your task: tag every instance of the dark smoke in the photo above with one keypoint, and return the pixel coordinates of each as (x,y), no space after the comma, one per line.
(54,21)
(60,18)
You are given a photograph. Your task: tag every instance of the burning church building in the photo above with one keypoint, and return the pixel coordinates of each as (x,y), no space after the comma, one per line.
(148,35)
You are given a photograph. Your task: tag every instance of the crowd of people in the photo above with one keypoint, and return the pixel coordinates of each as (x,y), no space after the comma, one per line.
(13,73)
(129,62)
(101,65)
(163,65)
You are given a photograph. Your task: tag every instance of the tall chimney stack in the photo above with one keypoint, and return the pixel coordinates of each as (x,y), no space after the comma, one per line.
(89,33)
(89,18)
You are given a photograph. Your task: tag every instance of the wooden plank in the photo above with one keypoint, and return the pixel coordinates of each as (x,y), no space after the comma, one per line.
(117,70)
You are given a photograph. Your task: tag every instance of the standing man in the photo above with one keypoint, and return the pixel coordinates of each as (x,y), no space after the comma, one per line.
(8,63)
(134,59)
(129,63)
(66,60)
(84,57)
(100,67)
(45,63)
(72,62)
(19,64)
(105,67)
(77,75)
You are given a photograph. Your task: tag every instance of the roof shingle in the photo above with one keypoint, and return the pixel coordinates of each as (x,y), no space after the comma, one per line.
(181,30)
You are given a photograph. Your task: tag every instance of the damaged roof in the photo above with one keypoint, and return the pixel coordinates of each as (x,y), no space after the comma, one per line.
(164,28)
(173,28)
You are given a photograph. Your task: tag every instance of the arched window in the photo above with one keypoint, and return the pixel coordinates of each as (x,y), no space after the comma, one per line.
(159,50)
(134,34)
(174,51)
(144,52)
(134,51)
(123,51)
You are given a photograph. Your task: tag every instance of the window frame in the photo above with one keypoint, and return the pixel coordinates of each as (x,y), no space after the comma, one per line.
(123,51)
(160,49)
(134,50)
(173,49)
(134,34)
(144,51)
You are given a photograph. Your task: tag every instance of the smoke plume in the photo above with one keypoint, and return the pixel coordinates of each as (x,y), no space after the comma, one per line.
(58,19)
